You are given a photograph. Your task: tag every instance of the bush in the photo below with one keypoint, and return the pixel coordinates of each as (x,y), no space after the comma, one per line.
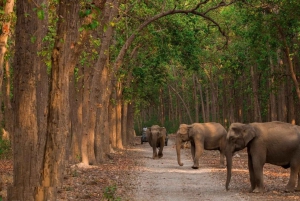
(110,193)
(5,148)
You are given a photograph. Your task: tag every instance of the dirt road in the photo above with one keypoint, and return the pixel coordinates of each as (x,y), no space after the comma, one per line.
(163,179)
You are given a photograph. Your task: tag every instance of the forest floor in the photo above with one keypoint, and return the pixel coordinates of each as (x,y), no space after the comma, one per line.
(133,175)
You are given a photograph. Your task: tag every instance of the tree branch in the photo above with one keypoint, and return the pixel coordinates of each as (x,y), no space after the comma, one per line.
(194,11)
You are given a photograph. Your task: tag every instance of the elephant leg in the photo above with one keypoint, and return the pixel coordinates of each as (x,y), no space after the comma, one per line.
(290,187)
(251,173)
(258,163)
(199,148)
(193,150)
(222,158)
(161,148)
(154,151)
(298,186)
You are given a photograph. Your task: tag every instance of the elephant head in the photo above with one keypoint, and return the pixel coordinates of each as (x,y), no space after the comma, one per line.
(238,137)
(182,135)
(156,136)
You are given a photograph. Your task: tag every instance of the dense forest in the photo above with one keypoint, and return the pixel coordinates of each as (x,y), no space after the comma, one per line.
(79,78)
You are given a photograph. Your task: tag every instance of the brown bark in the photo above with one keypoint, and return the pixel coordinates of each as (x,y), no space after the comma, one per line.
(7,101)
(100,86)
(85,114)
(183,102)
(202,102)
(214,103)
(76,95)
(273,111)
(289,61)
(29,133)
(124,123)
(112,120)
(256,109)
(130,123)
(207,105)
(8,10)
(161,108)
(58,124)
(195,98)
(120,137)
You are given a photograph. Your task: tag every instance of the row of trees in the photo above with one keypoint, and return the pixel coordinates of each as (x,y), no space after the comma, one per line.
(77,76)
(254,77)
(73,74)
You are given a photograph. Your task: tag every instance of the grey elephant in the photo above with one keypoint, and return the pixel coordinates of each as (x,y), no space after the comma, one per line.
(276,143)
(203,136)
(156,136)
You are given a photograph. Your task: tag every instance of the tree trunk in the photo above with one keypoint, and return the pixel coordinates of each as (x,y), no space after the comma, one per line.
(257,115)
(130,123)
(8,115)
(28,136)
(120,138)
(195,98)
(112,120)
(273,111)
(289,61)
(124,122)
(76,95)
(183,102)
(207,106)
(58,122)
(5,31)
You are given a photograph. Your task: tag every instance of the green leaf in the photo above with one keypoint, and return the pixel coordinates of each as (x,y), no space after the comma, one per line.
(33,39)
(41,14)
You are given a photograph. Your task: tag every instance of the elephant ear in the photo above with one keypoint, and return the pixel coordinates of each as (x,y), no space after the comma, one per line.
(248,133)
(183,129)
(163,131)
(148,132)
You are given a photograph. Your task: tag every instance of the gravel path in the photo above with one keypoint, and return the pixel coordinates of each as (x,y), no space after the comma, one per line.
(164,180)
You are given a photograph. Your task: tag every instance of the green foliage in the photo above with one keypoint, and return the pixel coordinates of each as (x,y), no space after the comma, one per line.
(109,193)
(5,148)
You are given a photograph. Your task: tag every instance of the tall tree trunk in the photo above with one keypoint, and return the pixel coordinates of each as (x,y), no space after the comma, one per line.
(273,111)
(286,50)
(257,114)
(5,31)
(76,91)
(58,122)
(195,98)
(120,138)
(8,11)
(8,115)
(101,85)
(202,101)
(207,105)
(85,114)
(130,123)
(124,122)
(185,106)
(161,108)
(171,106)
(112,120)
(28,134)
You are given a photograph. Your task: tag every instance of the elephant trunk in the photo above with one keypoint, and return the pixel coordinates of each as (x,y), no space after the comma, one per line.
(178,149)
(229,167)
(154,145)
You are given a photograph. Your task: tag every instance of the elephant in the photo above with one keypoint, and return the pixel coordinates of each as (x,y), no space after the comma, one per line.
(156,136)
(276,143)
(208,136)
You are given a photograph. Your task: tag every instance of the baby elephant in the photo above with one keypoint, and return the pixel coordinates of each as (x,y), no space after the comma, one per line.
(156,136)
(208,136)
